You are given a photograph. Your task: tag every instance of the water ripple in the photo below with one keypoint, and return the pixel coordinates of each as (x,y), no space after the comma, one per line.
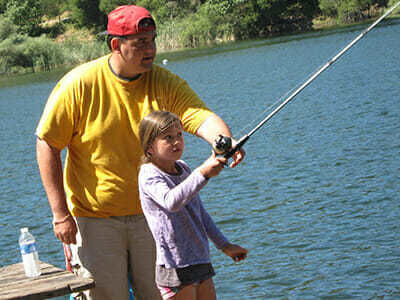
(316,199)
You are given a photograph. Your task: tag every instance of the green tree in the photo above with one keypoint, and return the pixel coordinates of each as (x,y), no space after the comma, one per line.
(352,10)
(348,11)
(164,10)
(86,13)
(261,18)
(329,8)
(392,3)
(26,15)
(52,8)
(3,6)
(106,6)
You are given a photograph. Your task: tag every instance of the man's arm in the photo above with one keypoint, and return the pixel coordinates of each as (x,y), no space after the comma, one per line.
(50,167)
(214,126)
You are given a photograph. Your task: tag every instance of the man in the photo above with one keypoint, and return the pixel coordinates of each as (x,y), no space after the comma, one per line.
(94,112)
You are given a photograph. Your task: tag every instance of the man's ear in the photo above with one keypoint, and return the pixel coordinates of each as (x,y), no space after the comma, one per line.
(116,45)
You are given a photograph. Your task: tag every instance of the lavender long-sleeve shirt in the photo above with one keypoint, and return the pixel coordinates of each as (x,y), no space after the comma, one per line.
(175,214)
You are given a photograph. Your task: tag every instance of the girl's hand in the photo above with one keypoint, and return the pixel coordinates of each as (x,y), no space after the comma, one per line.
(212,166)
(235,251)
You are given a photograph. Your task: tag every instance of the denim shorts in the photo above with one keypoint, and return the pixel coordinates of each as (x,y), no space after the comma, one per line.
(176,277)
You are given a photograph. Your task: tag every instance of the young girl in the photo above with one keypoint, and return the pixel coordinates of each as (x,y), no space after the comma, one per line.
(175,214)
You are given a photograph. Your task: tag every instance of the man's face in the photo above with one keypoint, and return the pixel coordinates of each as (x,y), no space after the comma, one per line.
(138,51)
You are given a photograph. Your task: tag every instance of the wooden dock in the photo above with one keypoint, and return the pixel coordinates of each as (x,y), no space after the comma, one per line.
(53,282)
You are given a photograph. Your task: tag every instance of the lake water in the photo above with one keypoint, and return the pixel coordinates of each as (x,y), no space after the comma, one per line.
(316,201)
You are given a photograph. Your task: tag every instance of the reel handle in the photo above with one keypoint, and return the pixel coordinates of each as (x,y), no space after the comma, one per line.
(223,145)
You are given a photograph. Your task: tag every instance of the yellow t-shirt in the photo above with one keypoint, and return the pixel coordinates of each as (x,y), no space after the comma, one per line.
(96,115)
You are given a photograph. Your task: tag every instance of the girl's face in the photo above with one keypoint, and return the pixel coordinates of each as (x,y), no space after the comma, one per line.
(167,148)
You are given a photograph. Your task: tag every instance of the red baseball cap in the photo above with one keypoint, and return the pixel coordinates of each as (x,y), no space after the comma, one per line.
(124,20)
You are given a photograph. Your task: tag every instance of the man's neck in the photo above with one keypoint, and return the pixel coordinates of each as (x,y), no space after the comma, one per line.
(114,68)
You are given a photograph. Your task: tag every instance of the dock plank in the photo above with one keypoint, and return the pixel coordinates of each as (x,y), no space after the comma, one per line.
(53,282)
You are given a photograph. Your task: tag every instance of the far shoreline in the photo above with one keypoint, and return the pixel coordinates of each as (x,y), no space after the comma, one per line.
(187,53)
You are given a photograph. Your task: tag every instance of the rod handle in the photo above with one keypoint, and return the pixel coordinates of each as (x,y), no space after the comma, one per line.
(239,145)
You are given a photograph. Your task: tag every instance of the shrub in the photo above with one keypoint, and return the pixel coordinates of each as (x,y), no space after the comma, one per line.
(392,3)
(45,54)
(20,52)
(7,28)
(12,56)
(203,28)
(78,51)
(168,36)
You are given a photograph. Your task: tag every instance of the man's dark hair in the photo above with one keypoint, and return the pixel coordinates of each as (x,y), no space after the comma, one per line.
(146,23)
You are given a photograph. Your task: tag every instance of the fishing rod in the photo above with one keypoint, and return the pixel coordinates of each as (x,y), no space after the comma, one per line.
(223,144)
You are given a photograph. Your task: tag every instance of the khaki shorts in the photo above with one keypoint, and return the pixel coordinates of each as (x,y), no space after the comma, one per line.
(107,249)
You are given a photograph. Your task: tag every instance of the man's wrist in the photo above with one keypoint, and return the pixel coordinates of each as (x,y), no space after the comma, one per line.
(60,221)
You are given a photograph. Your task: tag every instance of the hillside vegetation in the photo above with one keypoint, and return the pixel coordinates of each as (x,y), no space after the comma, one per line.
(37,35)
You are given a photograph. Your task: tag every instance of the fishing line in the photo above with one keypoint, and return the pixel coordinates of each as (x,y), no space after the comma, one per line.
(223,145)
(269,108)
(275,104)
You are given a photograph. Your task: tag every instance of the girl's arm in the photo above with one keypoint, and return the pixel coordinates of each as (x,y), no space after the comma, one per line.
(174,199)
(214,234)
(155,186)
(236,252)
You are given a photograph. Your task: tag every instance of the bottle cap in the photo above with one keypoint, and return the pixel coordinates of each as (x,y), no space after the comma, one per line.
(24,229)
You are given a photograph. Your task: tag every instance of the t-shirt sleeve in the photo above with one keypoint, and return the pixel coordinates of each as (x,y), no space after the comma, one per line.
(182,100)
(56,125)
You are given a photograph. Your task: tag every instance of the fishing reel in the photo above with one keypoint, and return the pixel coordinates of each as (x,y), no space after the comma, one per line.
(222,145)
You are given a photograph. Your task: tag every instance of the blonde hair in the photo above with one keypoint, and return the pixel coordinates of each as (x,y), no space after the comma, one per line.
(152,126)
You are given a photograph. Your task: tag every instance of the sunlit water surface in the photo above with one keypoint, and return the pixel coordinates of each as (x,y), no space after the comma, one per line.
(316,201)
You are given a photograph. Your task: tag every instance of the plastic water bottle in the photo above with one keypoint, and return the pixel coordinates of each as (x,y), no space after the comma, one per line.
(30,256)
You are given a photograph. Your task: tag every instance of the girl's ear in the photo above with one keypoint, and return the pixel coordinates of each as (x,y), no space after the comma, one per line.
(150,151)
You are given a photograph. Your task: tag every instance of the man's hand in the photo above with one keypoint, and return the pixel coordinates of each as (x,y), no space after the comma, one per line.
(238,156)
(65,230)
(210,131)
